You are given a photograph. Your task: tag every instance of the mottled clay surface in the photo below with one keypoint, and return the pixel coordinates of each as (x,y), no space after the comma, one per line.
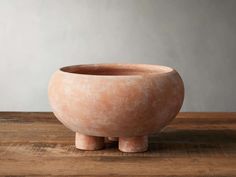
(116,100)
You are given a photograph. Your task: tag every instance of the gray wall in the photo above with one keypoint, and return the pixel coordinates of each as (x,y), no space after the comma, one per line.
(198,38)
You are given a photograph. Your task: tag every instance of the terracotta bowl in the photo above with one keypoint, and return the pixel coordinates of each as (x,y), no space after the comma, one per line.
(120,101)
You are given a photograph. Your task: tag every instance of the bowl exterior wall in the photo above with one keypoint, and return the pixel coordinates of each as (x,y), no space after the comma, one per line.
(115,105)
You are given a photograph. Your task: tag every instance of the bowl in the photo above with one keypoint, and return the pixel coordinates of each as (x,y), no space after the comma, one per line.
(124,102)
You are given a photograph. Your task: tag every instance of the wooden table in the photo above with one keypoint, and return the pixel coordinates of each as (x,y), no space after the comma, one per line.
(194,144)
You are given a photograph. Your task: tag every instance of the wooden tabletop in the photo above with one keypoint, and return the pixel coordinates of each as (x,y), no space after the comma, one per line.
(194,144)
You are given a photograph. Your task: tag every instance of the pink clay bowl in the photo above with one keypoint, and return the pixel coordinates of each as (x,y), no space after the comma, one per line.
(125,102)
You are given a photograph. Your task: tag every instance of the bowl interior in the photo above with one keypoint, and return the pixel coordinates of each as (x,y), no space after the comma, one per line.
(116,69)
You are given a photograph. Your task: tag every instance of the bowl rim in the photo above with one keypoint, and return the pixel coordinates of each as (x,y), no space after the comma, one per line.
(132,69)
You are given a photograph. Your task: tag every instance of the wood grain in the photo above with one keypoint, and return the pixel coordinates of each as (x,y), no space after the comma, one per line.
(194,144)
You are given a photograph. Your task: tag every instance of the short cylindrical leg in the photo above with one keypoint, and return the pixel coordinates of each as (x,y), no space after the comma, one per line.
(133,144)
(86,142)
(113,138)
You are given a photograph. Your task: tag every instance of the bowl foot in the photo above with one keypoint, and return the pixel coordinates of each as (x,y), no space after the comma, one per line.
(113,138)
(86,142)
(133,144)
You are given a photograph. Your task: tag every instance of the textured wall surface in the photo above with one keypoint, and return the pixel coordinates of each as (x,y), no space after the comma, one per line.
(196,37)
